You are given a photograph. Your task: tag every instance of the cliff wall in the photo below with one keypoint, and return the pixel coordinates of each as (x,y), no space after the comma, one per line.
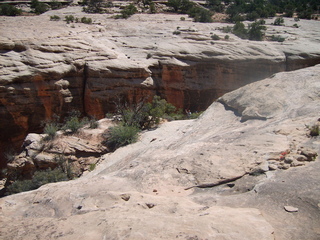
(52,67)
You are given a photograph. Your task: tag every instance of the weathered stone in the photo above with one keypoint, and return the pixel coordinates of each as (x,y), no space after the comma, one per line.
(273,167)
(125,196)
(291,209)
(310,154)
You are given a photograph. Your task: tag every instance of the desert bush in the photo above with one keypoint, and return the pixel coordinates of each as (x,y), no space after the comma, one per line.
(50,130)
(176,32)
(92,167)
(200,14)
(152,7)
(226,37)
(121,135)
(256,30)
(240,30)
(215,37)
(93,123)
(277,38)
(74,122)
(93,6)
(127,12)
(314,130)
(278,21)
(227,29)
(86,20)
(9,10)
(39,7)
(54,18)
(69,18)
(55,4)
(39,178)
(9,154)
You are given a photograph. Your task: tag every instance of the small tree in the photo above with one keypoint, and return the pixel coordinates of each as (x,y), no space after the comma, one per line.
(256,30)
(240,30)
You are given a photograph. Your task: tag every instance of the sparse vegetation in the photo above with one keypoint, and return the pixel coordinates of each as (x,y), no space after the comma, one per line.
(69,18)
(50,130)
(255,31)
(9,10)
(278,21)
(39,178)
(277,38)
(54,18)
(73,122)
(86,20)
(215,37)
(121,135)
(39,7)
(93,6)
(127,12)
(314,130)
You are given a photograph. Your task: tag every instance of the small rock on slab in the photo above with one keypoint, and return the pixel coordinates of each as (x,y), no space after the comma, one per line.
(291,209)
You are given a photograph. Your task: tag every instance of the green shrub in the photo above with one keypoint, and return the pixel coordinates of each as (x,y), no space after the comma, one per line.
(127,12)
(54,18)
(73,123)
(92,167)
(9,154)
(39,7)
(121,135)
(152,7)
(314,130)
(9,10)
(226,37)
(277,38)
(69,18)
(227,29)
(240,30)
(182,18)
(50,130)
(215,37)
(176,32)
(296,25)
(93,6)
(278,21)
(200,14)
(39,178)
(86,20)
(256,30)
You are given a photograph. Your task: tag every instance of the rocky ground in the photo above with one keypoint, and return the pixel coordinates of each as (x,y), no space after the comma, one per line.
(246,169)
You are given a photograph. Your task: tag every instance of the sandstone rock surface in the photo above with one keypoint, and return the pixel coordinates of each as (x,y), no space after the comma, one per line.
(52,67)
(222,147)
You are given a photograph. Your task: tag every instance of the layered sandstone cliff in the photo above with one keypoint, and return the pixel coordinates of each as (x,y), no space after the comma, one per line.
(240,171)
(50,67)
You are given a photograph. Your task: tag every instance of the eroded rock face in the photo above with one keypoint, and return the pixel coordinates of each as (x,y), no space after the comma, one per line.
(219,176)
(52,67)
